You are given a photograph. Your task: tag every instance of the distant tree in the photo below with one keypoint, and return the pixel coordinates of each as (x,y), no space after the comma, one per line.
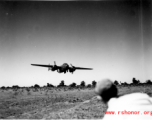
(50,85)
(125,83)
(44,86)
(148,82)
(134,81)
(36,86)
(138,81)
(73,85)
(8,87)
(116,82)
(15,87)
(82,84)
(89,86)
(61,84)
(94,83)
(3,87)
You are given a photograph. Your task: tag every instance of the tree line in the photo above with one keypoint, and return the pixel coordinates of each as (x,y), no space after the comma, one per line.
(82,84)
(61,84)
(134,82)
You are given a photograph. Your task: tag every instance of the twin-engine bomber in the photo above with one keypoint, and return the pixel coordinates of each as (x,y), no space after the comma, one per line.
(63,68)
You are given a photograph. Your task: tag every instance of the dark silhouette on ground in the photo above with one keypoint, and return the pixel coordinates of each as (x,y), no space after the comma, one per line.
(61,84)
(82,84)
(106,90)
(149,82)
(94,83)
(116,82)
(3,87)
(50,85)
(89,86)
(134,81)
(36,86)
(73,85)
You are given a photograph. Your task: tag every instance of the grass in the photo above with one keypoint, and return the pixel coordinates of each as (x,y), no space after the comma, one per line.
(56,104)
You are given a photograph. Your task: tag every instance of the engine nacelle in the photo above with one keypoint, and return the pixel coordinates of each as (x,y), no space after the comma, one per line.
(59,71)
(71,70)
(52,69)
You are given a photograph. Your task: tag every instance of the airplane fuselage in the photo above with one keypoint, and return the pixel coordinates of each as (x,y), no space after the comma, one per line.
(64,68)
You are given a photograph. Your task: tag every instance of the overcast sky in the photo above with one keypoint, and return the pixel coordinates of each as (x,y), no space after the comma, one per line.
(113,38)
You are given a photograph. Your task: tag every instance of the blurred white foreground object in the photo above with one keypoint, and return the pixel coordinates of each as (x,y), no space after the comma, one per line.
(134,106)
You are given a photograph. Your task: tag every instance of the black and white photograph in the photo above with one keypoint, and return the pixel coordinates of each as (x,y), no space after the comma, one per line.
(76,59)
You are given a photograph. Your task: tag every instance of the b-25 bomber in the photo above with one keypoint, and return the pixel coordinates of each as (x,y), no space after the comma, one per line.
(62,68)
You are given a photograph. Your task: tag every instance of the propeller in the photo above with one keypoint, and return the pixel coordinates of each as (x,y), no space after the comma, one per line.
(55,66)
(54,63)
(73,67)
(49,67)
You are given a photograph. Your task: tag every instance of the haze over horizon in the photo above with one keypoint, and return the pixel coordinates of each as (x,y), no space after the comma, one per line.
(113,38)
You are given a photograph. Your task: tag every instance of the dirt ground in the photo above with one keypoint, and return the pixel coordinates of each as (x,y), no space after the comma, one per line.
(57,104)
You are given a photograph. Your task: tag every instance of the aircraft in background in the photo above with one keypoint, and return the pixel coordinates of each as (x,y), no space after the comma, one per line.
(63,68)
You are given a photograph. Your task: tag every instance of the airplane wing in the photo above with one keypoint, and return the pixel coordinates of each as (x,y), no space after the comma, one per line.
(81,68)
(42,65)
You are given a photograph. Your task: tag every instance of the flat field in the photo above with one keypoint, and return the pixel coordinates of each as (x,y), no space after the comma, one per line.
(57,103)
